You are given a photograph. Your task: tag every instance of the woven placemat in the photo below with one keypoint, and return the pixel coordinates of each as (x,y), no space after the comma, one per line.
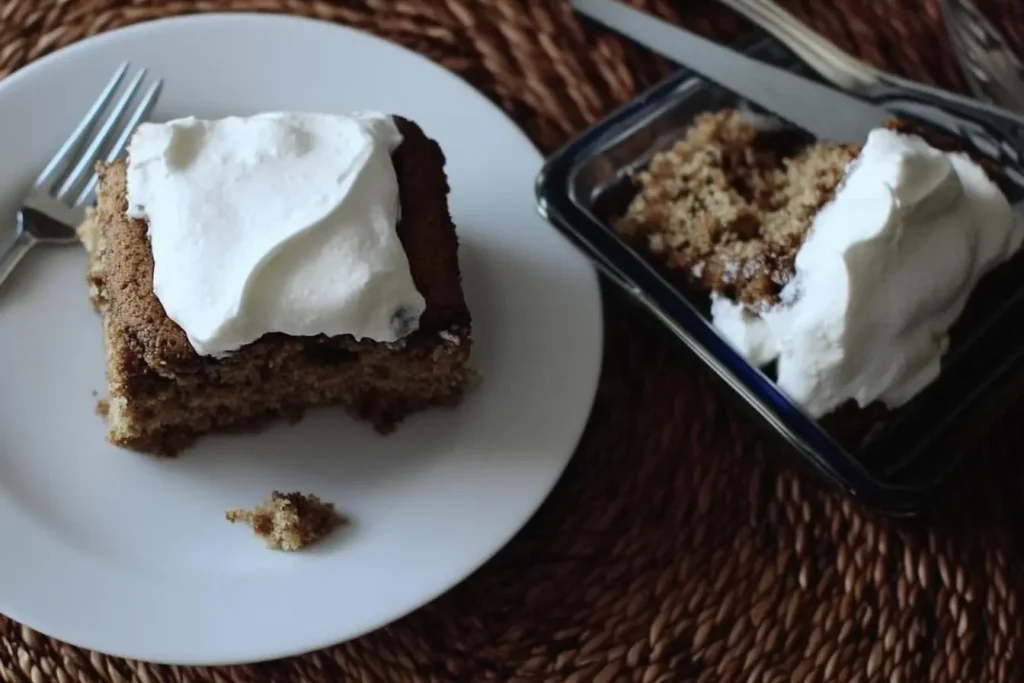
(675,548)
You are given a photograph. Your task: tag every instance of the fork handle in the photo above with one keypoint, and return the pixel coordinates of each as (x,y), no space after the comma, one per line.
(996,132)
(993,129)
(16,251)
(993,71)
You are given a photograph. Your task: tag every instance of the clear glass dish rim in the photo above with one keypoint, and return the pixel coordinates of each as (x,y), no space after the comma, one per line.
(631,272)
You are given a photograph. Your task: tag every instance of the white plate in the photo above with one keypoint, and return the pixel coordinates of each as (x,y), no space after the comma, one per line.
(132,556)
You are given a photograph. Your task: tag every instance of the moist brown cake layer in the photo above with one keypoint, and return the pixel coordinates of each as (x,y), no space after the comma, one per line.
(729,204)
(163,394)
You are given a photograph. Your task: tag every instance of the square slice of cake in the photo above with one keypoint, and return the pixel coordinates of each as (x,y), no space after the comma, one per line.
(163,394)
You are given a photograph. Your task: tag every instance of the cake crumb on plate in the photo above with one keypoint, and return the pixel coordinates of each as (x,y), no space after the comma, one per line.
(289,521)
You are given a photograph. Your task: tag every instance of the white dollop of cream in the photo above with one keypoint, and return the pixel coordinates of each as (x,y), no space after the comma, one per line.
(885,271)
(278,222)
(745,330)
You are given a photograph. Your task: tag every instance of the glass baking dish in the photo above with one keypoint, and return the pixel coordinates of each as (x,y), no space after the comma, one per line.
(899,463)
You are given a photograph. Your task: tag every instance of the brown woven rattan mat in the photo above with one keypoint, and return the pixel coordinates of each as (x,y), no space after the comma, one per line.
(675,548)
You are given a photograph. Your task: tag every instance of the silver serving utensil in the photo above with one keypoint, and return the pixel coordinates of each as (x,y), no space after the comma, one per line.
(833,64)
(986,59)
(823,111)
(994,73)
(56,203)
(826,112)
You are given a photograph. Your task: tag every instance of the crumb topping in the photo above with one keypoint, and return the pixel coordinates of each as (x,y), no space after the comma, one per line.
(728,205)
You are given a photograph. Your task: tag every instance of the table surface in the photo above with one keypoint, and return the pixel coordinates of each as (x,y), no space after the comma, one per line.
(679,546)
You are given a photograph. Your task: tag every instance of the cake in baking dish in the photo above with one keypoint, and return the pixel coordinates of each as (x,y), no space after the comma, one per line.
(839,268)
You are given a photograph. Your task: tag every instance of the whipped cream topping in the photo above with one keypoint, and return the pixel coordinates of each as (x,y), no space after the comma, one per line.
(883,274)
(279,222)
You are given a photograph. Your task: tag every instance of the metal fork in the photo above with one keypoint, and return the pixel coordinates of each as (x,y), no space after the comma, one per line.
(997,131)
(834,64)
(994,73)
(56,203)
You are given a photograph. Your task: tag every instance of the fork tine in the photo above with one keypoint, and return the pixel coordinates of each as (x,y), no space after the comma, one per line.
(92,152)
(141,112)
(56,166)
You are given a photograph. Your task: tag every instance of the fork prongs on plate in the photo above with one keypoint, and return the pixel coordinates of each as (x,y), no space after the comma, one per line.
(103,133)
